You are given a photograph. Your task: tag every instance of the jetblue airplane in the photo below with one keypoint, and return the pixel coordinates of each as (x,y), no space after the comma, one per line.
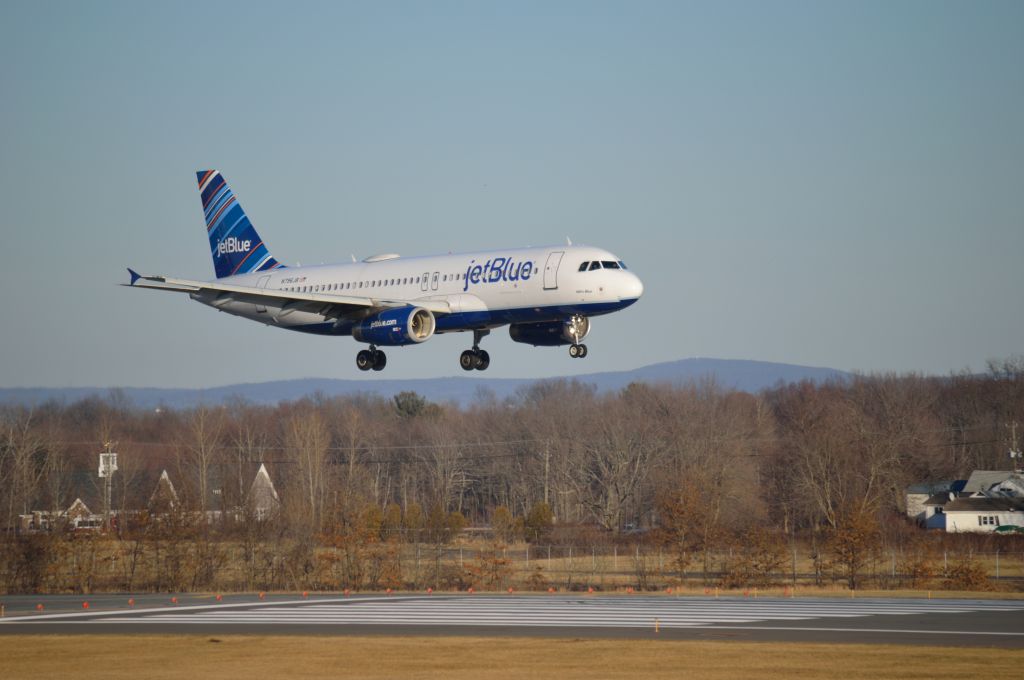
(545,295)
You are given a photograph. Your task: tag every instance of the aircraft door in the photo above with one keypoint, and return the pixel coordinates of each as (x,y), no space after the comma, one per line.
(262,285)
(423,286)
(551,270)
(433,280)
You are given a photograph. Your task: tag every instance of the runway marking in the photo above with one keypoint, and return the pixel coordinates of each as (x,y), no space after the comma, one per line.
(542,611)
(907,631)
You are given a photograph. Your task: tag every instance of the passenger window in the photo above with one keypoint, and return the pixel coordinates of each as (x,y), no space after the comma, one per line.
(583,267)
(610,265)
(595,265)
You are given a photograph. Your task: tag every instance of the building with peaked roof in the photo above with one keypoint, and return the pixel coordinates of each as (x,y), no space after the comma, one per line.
(263,500)
(923,498)
(164,498)
(984,502)
(983,514)
(77,517)
(995,483)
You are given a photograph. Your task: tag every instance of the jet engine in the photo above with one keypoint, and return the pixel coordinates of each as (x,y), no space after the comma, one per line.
(394,327)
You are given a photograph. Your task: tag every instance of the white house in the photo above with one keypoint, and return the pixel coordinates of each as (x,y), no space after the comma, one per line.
(983,514)
(986,500)
(923,499)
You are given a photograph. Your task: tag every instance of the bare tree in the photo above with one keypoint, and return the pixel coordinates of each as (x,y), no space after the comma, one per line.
(202,448)
(307,441)
(22,457)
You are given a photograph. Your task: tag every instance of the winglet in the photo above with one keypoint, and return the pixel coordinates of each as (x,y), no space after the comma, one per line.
(135,276)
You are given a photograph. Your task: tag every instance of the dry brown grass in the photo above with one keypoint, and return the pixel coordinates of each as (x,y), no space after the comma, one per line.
(246,657)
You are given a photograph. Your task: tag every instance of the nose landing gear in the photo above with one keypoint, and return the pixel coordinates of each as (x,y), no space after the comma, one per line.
(371,358)
(577,327)
(476,358)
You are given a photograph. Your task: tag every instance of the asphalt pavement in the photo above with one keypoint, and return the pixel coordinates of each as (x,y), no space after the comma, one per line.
(939,622)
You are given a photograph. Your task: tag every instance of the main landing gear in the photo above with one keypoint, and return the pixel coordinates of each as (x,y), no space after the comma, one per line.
(476,357)
(371,358)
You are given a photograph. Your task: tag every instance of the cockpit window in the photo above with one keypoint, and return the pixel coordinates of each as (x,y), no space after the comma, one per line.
(610,265)
(595,265)
(622,264)
(583,267)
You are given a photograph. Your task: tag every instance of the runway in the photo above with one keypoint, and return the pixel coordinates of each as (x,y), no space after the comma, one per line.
(931,622)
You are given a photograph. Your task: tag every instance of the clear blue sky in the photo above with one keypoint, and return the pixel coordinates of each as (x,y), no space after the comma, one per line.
(837,184)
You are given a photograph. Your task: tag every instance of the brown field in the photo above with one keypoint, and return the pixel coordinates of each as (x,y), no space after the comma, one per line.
(84,657)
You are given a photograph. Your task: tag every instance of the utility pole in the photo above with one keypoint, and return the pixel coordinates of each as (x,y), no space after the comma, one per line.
(1015,453)
(547,463)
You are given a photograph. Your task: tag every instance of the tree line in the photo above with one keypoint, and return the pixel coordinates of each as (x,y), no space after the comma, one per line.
(689,468)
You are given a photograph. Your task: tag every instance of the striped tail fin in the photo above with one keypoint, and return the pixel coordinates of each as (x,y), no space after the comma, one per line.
(234,243)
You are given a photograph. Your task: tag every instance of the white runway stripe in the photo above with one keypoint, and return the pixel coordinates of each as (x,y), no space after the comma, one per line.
(557,612)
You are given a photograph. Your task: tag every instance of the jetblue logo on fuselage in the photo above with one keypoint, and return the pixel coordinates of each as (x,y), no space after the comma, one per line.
(497,270)
(233,245)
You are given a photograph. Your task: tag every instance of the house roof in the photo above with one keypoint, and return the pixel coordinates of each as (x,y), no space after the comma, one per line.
(164,494)
(985,504)
(78,506)
(938,499)
(262,493)
(981,481)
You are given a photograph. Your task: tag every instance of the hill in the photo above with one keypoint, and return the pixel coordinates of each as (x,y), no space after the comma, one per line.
(749,376)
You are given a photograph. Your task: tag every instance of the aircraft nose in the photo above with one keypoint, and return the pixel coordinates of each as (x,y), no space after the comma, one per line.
(633,288)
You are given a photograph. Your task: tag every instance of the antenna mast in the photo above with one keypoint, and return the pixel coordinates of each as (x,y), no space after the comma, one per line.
(108,466)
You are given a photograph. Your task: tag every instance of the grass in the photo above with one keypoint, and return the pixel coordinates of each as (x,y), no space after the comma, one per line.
(245,657)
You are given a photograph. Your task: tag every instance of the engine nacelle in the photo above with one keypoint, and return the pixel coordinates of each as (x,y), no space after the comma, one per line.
(393,327)
(550,333)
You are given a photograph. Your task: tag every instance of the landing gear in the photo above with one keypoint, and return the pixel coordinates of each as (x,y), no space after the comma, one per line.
(475,358)
(371,358)
(577,327)
(577,351)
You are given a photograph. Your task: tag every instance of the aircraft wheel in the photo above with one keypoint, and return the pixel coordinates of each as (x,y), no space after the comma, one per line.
(483,360)
(583,351)
(574,351)
(380,360)
(364,360)
(468,360)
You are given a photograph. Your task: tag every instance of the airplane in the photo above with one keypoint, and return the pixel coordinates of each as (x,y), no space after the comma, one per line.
(546,295)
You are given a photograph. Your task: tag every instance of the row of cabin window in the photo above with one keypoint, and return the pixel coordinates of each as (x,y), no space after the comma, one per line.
(602,264)
(324,287)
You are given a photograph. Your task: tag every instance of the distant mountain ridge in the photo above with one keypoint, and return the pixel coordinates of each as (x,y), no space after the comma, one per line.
(745,375)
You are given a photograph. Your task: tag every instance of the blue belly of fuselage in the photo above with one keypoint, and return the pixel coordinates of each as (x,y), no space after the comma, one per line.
(464,321)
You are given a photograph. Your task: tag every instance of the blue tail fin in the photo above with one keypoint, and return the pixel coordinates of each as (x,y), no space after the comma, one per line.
(234,243)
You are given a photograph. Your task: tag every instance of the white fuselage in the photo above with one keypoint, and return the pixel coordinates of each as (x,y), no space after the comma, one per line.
(483,289)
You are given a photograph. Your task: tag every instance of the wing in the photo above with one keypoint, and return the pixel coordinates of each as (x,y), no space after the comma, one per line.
(319,303)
